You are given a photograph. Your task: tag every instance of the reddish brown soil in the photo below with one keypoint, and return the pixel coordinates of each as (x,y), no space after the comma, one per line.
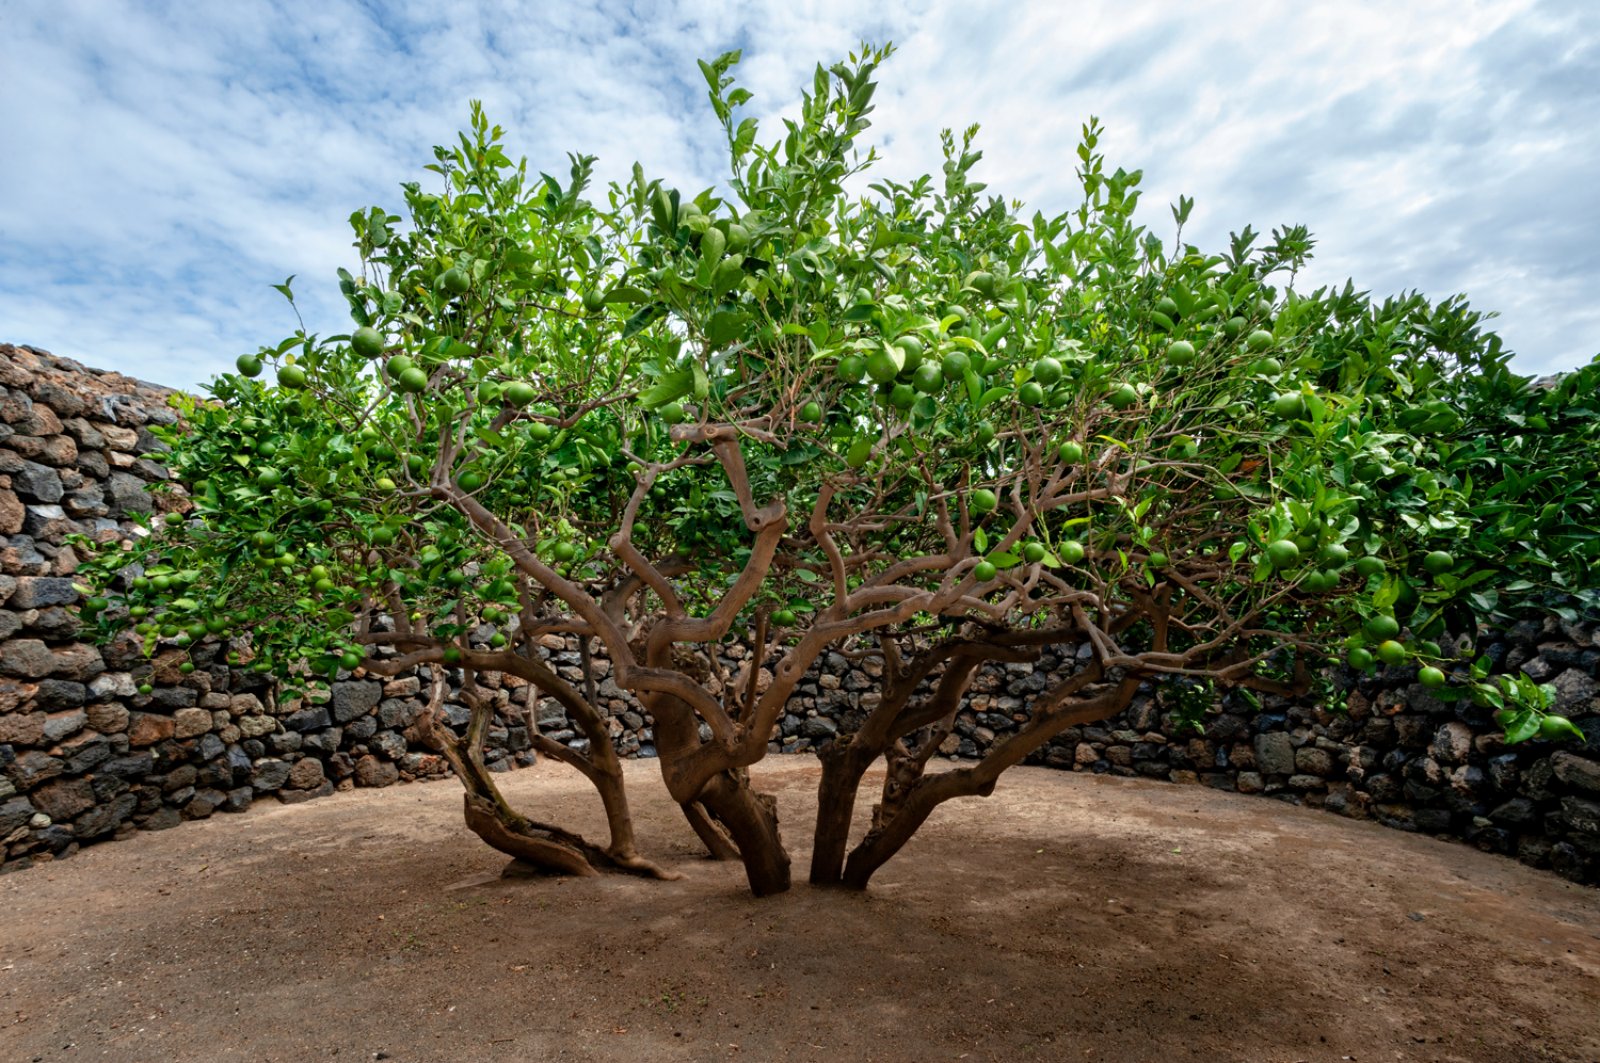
(1066,918)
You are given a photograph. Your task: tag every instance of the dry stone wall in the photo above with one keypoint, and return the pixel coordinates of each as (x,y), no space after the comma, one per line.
(84,757)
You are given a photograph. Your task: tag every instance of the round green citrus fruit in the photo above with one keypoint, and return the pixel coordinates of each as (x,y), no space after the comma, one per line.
(1382,626)
(1283,553)
(1438,562)
(367,342)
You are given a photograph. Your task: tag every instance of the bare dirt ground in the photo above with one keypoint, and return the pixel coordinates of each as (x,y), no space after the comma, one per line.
(1068,917)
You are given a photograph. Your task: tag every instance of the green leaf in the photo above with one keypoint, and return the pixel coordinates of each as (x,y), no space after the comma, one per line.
(669,388)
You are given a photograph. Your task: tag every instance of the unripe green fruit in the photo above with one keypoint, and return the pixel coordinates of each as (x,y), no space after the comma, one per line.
(1123,396)
(784,617)
(248,365)
(881,368)
(1283,553)
(851,368)
(1369,566)
(1071,453)
(455,280)
(1438,563)
(413,381)
(1259,340)
(984,571)
(291,376)
(1180,352)
(1033,553)
(1431,677)
(1391,652)
(928,379)
(1382,626)
(983,500)
(860,450)
(1031,394)
(811,412)
(367,342)
(519,393)
(1359,658)
(1047,370)
(1071,551)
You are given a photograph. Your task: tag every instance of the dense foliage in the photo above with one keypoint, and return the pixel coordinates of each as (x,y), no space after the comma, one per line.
(820,408)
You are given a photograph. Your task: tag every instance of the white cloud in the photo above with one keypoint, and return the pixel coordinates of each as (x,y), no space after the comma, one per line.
(166,163)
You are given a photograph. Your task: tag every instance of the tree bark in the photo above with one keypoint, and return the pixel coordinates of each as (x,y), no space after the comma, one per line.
(843,765)
(898,821)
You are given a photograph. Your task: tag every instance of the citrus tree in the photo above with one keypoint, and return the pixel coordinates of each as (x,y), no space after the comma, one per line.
(818,410)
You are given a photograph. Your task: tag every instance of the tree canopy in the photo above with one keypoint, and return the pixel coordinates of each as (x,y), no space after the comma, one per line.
(816,408)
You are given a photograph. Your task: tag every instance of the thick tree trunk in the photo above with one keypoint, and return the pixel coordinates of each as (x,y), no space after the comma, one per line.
(752,820)
(890,835)
(842,769)
(910,797)
(541,846)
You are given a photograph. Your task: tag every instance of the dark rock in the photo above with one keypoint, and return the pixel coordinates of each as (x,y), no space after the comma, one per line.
(270,775)
(60,694)
(1274,754)
(105,818)
(353,698)
(360,730)
(237,799)
(63,799)
(15,812)
(33,768)
(128,496)
(39,482)
(161,819)
(1576,771)
(388,744)
(397,712)
(28,658)
(312,719)
(36,592)
(1312,761)
(1581,815)
(136,766)
(294,797)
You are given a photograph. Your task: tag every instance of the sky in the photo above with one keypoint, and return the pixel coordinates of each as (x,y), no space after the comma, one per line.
(163,164)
